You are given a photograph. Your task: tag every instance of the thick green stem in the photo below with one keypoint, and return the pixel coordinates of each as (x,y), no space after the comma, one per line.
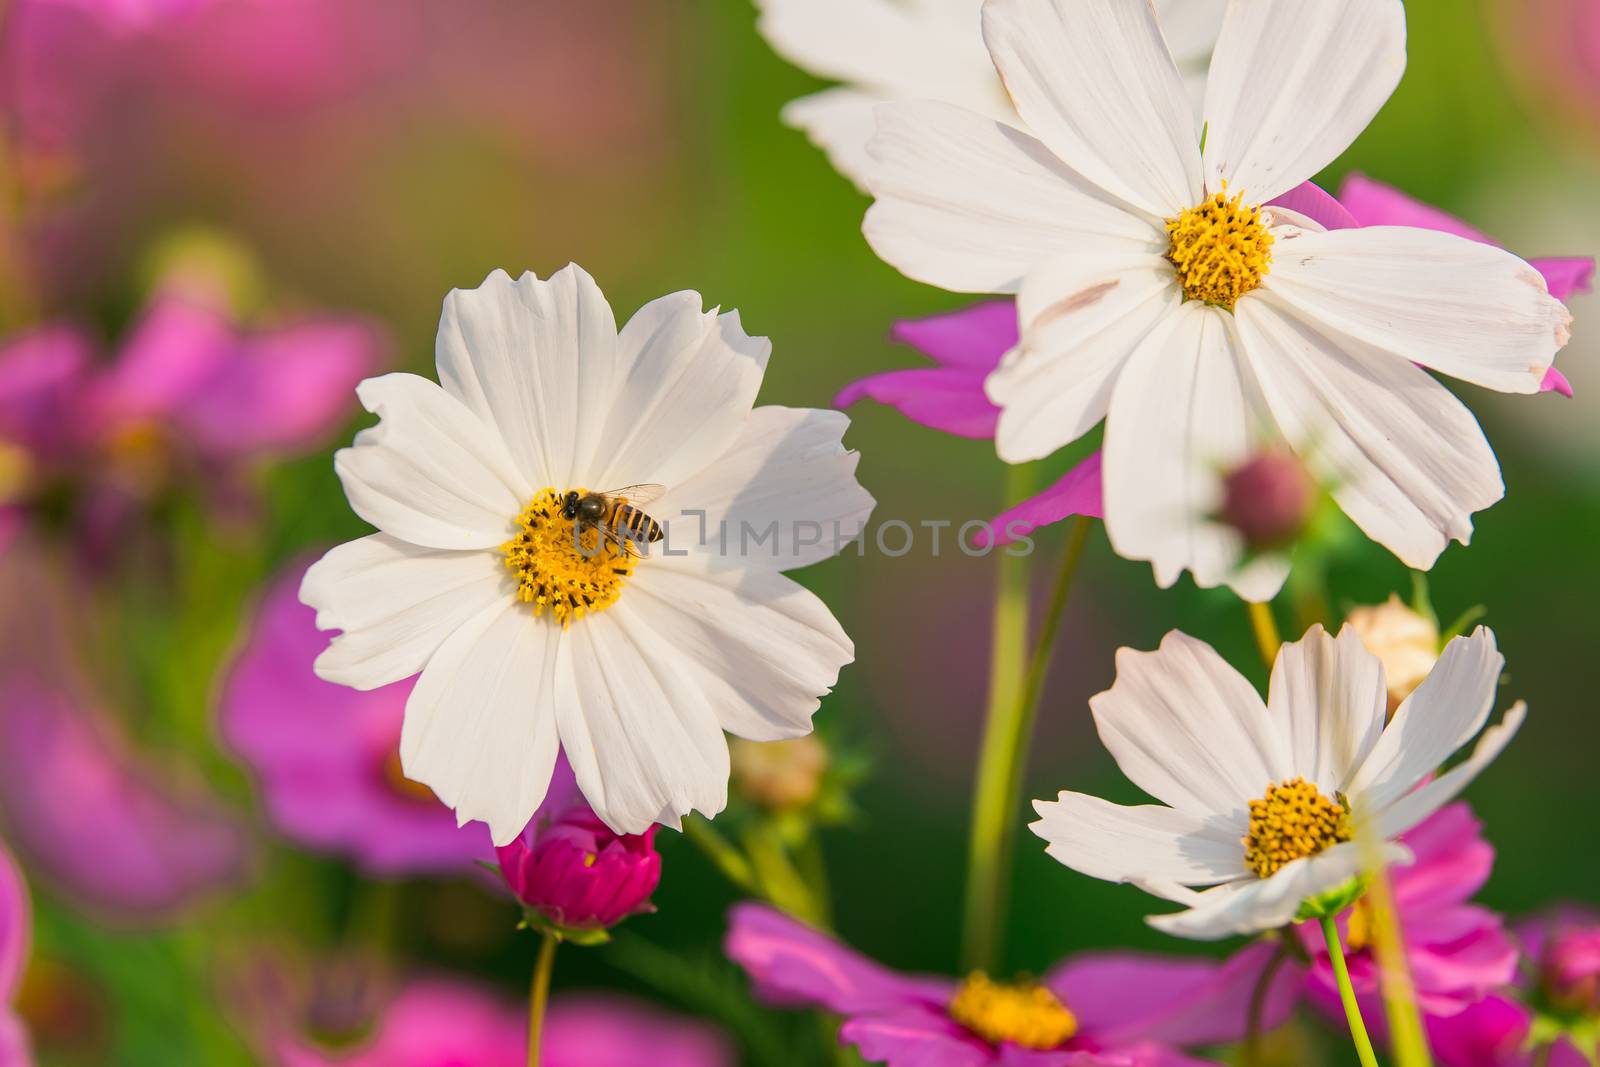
(1013,707)
(1347,995)
(1408,1042)
(539,994)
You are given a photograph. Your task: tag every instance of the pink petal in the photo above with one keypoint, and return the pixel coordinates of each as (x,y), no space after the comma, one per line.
(1566,275)
(1556,382)
(15,925)
(1077,493)
(973,338)
(1373,203)
(917,1036)
(41,380)
(1312,201)
(173,350)
(948,400)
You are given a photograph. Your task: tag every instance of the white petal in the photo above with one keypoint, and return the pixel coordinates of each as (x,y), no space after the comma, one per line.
(1182,415)
(1187,728)
(840,122)
(396,604)
(1093,79)
(430,472)
(1405,459)
(1082,315)
(537,360)
(761,649)
(972,205)
(686,384)
(1292,83)
(1442,714)
(1414,807)
(480,726)
(1463,308)
(1123,844)
(783,495)
(644,743)
(1330,698)
(1249,907)
(1191,28)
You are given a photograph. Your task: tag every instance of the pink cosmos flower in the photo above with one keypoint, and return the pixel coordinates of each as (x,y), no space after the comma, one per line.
(1100,1010)
(1491,1033)
(968,344)
(1457,952)
(98,823)
(441,1023)
(1564,946)
(14,926)
(577,873)
(326,757)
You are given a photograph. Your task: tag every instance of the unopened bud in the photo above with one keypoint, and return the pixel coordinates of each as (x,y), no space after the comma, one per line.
(578,875)
(1268,499)
(1405,641)
(779,775)
(1572,971)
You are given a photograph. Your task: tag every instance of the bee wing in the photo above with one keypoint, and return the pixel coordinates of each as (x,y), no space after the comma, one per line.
(624,544)
(637,495)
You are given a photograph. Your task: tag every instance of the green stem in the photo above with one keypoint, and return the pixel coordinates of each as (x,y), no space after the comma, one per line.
(775,873)
(1347,994)
(1258,1004)
(539,994)
(1266,630)
(1013,708)
(729,861)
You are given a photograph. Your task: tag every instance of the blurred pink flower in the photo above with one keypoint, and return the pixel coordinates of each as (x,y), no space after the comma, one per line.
(1564,947)
(578,874)
(100,825)
(1491,1033)
(326,757)
(14,931)
(1126,1010)
(968,344)
(1458,952)
(441,1023)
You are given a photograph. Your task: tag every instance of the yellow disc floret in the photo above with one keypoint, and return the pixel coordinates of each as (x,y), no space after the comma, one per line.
(1292,821)
(1221,249)
(1023,1013)
(559,568)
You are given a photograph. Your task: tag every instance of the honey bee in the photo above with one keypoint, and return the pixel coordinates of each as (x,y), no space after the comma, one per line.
(617,515)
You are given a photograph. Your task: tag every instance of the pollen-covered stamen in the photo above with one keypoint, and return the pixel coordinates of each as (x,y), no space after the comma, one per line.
(1023,1013)
(560,569)
(1221,249)
(1292,821)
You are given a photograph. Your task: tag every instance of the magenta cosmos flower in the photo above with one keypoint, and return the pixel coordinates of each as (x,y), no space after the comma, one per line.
(574,871)
(1457,952)
(1102,1010)
(326,757)
(14,926)
(967,345)
(440,1023)
(1494,1032)
(97,821)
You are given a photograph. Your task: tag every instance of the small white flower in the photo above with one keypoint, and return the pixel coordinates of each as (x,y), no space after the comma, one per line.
(1261,800)
(923,50)
(525,644)
(1159,290)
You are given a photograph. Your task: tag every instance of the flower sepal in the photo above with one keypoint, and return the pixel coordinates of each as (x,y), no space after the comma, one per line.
(587,936)
(1581,1032)
(1330,903)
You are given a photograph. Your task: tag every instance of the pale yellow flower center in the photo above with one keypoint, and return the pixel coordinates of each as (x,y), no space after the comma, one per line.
(1023,1013)
(1221,249)
(1294,820)
(568,573)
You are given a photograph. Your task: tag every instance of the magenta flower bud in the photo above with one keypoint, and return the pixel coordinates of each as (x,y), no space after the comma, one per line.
(1572,970)
(577,875)
(1268,499)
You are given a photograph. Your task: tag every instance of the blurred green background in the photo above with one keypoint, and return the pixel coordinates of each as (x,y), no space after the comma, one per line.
(642,140)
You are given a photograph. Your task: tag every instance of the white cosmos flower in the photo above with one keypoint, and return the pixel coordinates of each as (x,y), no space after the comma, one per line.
(474,579)
(923,50)
(1272,328)
(1260,800)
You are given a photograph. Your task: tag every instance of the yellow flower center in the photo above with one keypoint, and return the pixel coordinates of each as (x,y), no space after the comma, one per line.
(1221,249)
(561,569)
(1294,820)
(1023,1013)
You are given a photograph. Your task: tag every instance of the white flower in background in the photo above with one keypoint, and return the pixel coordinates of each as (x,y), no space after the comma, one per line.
(1159,290)
(1261,800)
(923,50)
(525,642)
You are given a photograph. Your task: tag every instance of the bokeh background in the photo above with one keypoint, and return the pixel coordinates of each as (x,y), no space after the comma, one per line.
(336,166)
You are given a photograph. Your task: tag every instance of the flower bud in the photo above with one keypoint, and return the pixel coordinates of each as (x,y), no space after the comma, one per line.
(577,875)
(1268,499)
(1572,971)
(1406,642)
(779,775)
